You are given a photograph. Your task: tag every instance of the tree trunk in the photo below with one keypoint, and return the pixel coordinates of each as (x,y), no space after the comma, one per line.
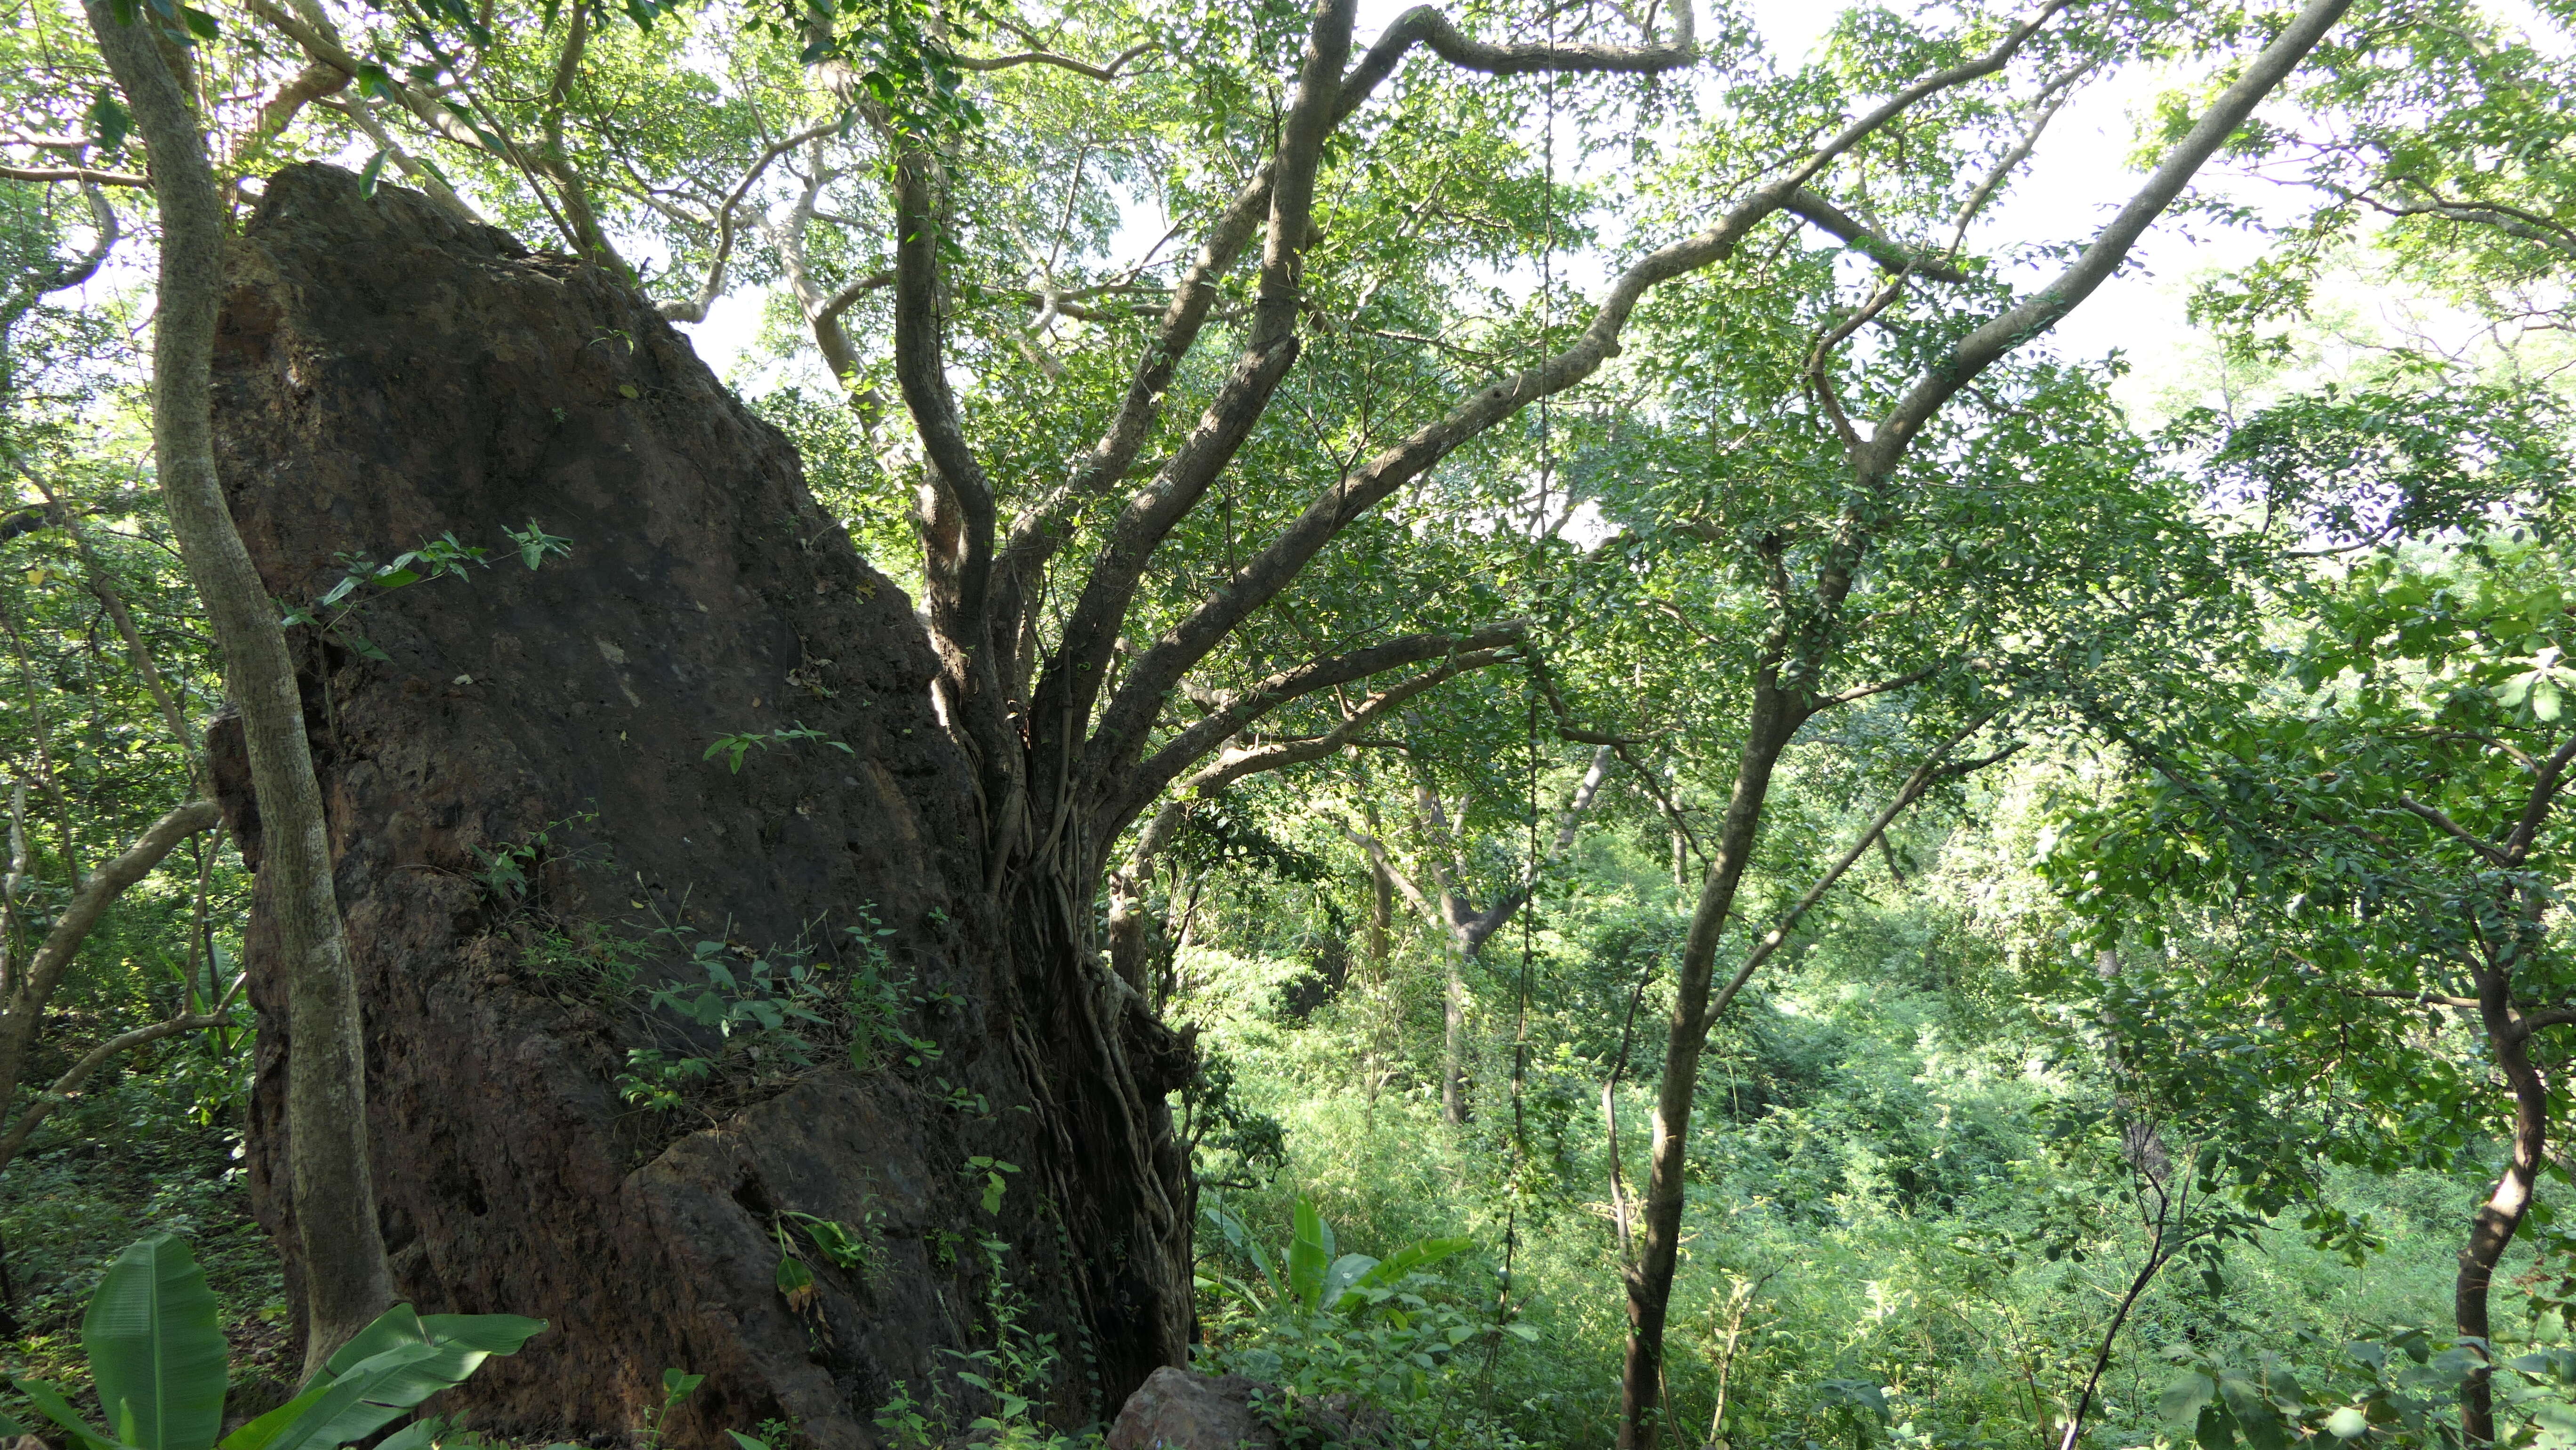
(388,374)
(325,1107)
(1381,921)
(2501,1215)
(1774,720)
(1453,1030)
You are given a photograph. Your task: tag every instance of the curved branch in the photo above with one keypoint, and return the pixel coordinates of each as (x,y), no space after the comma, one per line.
(1457,653)
(1063,702)
(34,985)
(317,79)
(1424,25)
(2491,854)
(35,1113)
(86,175)
(1121,733)
(921,371)
(695,310)
(1858,235)
(1990,342)
(2544,793)
(80,269)
(1234,765)
(104,885)
(1108,72)
(1042,529)
(1916,784)
(2513,221)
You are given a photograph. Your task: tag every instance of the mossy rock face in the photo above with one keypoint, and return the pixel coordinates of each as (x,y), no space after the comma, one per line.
(388,374)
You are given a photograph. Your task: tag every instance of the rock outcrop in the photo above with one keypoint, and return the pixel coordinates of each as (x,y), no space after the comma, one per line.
(388,375)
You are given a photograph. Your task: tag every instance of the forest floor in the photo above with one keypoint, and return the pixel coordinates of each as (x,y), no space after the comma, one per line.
(125,1167)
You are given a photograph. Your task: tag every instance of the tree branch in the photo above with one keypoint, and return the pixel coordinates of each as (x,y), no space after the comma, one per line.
(35,1113)
(1107,72)
(1456,653)
(695,310)
(1425,25)
(1131,712)
(86,175)
(2492,855)
(33,987)
(1234,765)
(1990,342)
(1063,701)
(962,525)
(2544,792)
(1042,529)
(1858,235)
(103,886)
(1915,785)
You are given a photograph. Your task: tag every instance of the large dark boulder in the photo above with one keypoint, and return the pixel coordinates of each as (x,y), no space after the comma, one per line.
(387,375)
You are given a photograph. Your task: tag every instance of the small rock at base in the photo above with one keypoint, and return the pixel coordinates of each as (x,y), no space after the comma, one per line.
(1177,1409)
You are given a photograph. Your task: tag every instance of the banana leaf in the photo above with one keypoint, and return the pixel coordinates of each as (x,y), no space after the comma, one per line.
(156,1349)
(1345,1272)
(1309,1254)
(50,1403)
(1420,1254)
(380,1375)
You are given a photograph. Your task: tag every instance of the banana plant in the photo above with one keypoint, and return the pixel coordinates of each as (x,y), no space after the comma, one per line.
(1310,1276)
(157,1355)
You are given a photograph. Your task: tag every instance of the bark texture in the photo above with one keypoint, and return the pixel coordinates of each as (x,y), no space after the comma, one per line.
(324,1090)
(387,373)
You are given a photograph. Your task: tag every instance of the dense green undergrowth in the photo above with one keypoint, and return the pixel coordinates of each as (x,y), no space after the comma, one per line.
(1906,1226)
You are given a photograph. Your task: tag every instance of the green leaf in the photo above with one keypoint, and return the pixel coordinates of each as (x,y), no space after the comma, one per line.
(109,121)
(1338,1280)
(1308,1255)
(50,1403)
(1857,1394)
(2253,1414)
(156,1349)
(1420,1254)
(2183,1399)
(2215,1430)
(382,1373)
(1231,1285)
(309,1418)
(374,169)
(489,1333)
(258,1433)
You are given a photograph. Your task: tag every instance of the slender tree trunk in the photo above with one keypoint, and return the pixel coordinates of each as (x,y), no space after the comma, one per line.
(1775,718)
(1453,1031)
(1381,921)
(2501,1215)
(346,1282)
